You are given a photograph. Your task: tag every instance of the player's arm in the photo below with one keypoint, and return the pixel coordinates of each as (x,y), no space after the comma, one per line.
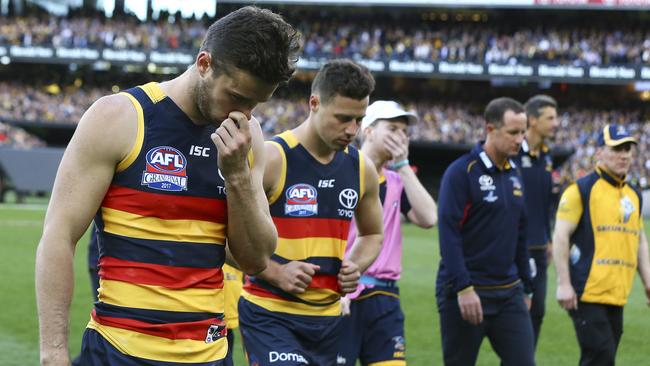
(251,234)
(423,207)
(423,212)
(522,259)
(103,137)
(568,216)
(644,263)
(453,199)
(368,218)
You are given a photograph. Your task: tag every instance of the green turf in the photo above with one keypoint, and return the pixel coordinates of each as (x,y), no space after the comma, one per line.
(20,230)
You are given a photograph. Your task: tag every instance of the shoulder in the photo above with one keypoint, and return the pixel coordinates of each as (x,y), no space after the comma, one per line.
(110,125)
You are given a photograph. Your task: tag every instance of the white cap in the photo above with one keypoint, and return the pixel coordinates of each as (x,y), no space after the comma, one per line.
(386,109)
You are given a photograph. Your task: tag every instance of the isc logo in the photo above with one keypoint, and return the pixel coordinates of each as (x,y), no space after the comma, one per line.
(326,183)
(166,159)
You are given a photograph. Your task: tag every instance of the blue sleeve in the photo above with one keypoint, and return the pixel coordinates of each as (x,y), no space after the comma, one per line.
(522,259)
(453,199)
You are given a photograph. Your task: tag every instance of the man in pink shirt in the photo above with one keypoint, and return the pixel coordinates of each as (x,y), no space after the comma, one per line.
(373,319)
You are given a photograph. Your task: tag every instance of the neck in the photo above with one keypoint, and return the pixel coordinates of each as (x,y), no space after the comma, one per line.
(374,155)
(498,158)
(308,137)
(618,177)
(181,91)
(534,139)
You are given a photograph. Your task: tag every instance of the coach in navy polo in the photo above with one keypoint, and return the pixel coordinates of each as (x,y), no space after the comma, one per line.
(484,275)
(536,166)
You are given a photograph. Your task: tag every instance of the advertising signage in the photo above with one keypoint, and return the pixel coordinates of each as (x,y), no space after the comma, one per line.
(460,70)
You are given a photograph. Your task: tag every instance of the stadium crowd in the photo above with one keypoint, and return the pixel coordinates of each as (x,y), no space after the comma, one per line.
(419,39)
(447,123)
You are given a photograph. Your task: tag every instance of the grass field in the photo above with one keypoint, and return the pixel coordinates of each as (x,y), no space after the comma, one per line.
(20,230)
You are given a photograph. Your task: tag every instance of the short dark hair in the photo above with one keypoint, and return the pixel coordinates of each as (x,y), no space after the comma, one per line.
(535,104)
(497,108)
(342,77)
(254,40)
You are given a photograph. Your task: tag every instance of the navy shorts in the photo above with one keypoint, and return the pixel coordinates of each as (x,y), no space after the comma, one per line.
(97,351)
(374,331)
(280,339)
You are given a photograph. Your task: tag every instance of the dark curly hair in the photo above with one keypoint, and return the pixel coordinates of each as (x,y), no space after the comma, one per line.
(254,40)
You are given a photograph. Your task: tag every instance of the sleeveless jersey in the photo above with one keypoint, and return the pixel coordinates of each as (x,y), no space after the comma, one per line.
(312,209)
(161,232)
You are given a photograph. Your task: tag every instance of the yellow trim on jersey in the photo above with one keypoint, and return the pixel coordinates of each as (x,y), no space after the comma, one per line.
(497,287)
(162,349)
(232,288)
(382,177)
(153,228)
(362,174)
(289,307)
(251,158)
(153,91)
(389,363)
(139,137)
(570,207)
(470,165)
(289,138)
(303,248)
(373,293)
(283,174)
(202,300)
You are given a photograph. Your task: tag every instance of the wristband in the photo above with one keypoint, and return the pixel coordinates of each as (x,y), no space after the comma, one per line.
(399,164)
(465,290)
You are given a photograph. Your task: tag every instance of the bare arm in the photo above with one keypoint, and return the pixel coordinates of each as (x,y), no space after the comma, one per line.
(252,237)
(103,137)
(369,221)
(566,295)
(644,264)
(424,211)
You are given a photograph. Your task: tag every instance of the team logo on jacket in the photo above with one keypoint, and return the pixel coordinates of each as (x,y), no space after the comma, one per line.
(215,332)
(627,208)
(486,182)
(526,162)
(166,169)
(301,200)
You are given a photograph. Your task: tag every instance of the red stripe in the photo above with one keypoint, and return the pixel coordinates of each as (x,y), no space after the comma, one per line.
(158,275)
(465,214)
(197,330)
(166,206)
(298,228)
(330,282)
(256,290)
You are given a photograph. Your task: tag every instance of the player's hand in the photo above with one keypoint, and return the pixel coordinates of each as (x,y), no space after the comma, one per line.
(397,144)
(233,141)
(345,306)
(470,307)
(567,297)
(528,301)
(58,357)
(294,277)
(349,276)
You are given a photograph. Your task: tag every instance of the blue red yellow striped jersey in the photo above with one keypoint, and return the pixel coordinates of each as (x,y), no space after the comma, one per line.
(312,209)
(161,232)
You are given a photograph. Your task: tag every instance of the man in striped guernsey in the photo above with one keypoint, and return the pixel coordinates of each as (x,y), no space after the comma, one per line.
(171,171)
(289,314)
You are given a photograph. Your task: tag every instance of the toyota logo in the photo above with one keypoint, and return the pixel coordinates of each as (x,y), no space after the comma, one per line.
(348,198)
